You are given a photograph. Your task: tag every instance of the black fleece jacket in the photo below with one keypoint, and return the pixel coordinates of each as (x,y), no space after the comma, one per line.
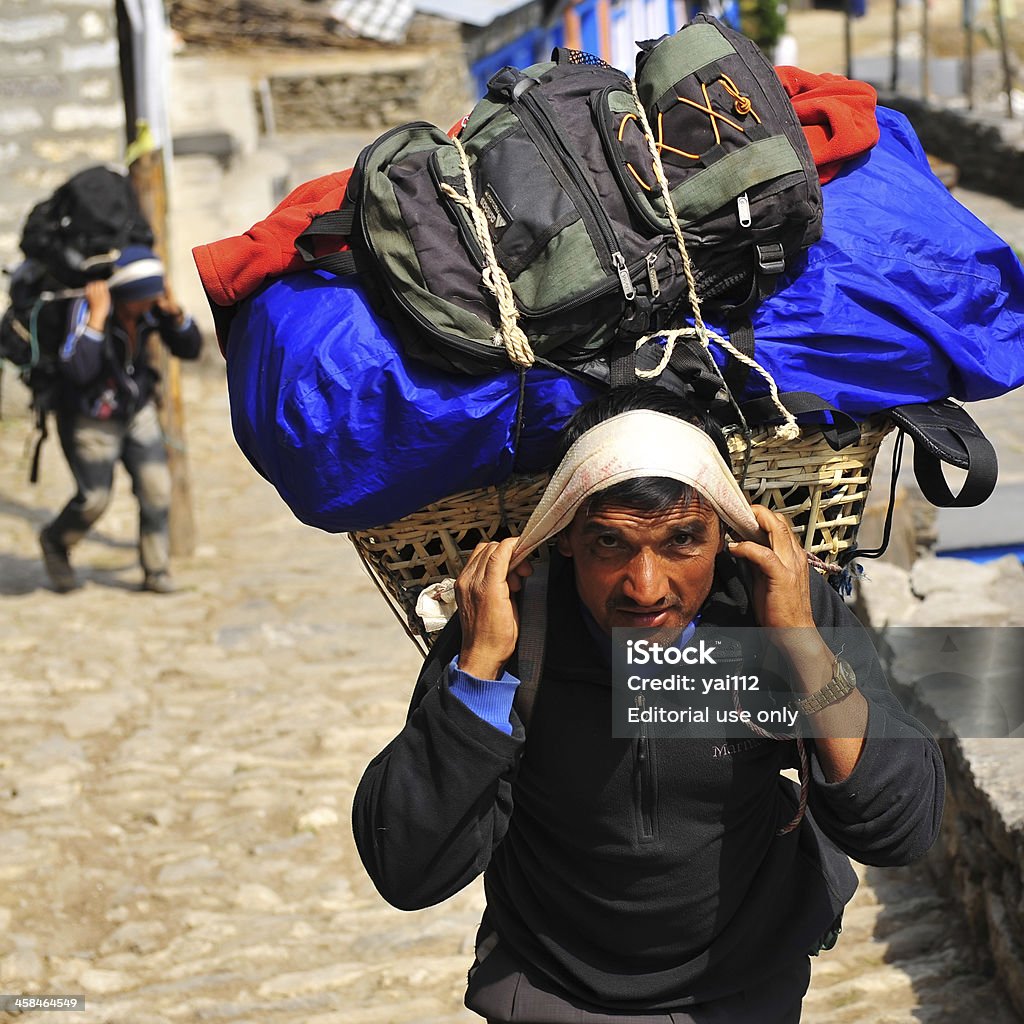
(638,877)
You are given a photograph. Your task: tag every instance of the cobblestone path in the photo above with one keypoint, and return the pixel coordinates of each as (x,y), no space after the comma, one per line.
(176,776)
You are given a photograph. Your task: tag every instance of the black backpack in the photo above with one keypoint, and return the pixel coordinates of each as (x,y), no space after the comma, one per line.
(31,332)
(543,231)
(79,232)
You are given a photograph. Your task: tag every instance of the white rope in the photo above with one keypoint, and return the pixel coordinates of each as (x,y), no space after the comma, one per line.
(789,431)
(671,337)
(509,333)
(659,173)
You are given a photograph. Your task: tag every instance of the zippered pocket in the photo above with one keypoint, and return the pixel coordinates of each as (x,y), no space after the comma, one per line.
(629,157)
(539,123)
(524,202)
(417,251)
(535,206)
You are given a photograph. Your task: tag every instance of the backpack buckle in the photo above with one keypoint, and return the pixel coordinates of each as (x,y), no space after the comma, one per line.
(770,258)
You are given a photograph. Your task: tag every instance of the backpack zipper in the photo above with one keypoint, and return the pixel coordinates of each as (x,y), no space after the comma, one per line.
(547,140)
(743,206)
(654,286)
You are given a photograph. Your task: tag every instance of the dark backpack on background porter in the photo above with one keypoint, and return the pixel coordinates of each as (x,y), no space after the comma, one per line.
(79,232)
(73,237)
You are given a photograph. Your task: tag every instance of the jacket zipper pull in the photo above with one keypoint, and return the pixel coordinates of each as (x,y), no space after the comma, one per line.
(743,205)
(625,281)
(652,275)
(641,740)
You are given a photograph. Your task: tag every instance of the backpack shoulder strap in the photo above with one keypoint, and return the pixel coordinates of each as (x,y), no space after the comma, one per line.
(944,432)
(533,627)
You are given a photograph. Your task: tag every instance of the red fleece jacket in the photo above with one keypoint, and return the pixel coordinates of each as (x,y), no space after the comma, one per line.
(837,115)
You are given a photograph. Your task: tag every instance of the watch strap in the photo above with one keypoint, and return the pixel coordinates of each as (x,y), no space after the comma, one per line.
(842,684)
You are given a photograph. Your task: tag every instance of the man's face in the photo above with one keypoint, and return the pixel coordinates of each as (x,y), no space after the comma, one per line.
(134,309)
(643,569)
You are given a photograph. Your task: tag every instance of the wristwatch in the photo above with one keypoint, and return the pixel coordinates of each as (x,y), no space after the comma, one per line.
(842,683)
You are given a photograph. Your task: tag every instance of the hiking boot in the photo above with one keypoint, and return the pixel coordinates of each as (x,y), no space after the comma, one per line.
(159,583)
(55,559)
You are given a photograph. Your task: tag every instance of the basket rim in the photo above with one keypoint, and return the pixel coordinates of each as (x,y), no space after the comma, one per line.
(833,480)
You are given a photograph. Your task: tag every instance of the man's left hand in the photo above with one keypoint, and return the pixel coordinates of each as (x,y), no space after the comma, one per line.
(169,308)
(782,594)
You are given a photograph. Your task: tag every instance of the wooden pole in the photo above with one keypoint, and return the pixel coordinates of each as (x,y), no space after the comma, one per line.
(1005,55)
(926,77)
(147,174)
(848,37)
(894,77)
(968,73)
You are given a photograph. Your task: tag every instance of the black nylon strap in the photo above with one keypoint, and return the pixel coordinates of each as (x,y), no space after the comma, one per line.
(982,471)
(341,263)
(944,432)
(332,224)
(736,373)
(622,364)
(842,431)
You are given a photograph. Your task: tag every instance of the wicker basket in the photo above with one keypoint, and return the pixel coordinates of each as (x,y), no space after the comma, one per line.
(820,491)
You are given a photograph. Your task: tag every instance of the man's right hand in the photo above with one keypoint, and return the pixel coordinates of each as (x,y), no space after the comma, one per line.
(490,620)
(97,295)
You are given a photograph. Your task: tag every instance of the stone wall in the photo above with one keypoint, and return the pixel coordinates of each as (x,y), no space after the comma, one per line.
(987,149)
(61,106)
(427,79)
(976,706)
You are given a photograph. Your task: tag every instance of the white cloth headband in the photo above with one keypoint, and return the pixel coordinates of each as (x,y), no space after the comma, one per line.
(137,270)
(641,443)
(626,447)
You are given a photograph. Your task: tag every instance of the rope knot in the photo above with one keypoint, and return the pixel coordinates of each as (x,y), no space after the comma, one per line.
(787,431)
(509,333)
(743,106)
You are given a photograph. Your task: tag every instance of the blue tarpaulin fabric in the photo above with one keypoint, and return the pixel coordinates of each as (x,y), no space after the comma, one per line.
(906,298)
(350,432)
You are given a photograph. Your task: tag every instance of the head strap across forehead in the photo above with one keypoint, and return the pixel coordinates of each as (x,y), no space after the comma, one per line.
(631,446)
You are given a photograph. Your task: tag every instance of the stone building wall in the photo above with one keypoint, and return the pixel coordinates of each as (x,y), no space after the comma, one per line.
(61,105)
(987,149)
(425,79)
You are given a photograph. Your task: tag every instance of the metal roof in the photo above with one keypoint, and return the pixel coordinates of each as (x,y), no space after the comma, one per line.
(385,20)
(470,12)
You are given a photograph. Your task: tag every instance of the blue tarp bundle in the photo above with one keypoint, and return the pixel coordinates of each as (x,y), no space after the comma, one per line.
(907,298)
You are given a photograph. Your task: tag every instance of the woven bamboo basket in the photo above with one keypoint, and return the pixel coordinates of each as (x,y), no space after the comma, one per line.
(821,491)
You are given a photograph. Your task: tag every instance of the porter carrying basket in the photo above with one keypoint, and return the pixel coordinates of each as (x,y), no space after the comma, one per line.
(820,491)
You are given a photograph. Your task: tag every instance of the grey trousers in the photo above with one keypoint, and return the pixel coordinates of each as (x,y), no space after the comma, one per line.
(93,448)
(501,992)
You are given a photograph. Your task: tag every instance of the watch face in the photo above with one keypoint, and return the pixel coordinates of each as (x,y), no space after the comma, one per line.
(844,674)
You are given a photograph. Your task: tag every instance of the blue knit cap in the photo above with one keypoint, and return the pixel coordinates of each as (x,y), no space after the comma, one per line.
(138,274)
